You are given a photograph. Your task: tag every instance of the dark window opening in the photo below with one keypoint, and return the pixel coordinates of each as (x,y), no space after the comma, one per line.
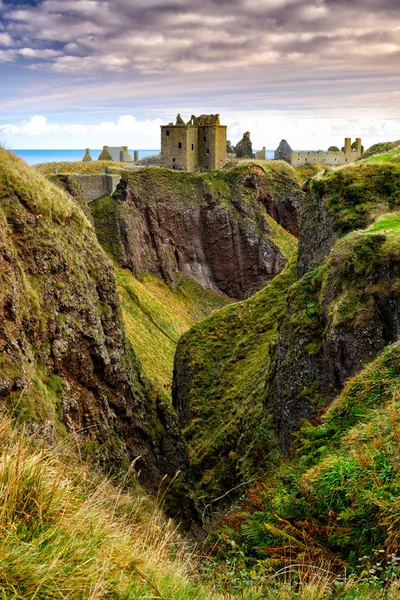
(205,139)
(173,160)
(180,145)
(208,152)
(192,146)
(167,132)
(174,167)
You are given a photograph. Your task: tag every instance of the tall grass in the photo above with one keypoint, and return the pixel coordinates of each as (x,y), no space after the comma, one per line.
(65,532)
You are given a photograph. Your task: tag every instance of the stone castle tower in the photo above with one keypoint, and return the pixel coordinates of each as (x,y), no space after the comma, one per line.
(199,145)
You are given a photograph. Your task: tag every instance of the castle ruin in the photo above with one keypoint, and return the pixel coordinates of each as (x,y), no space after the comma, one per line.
(111,153)
(333,157)
(199,145)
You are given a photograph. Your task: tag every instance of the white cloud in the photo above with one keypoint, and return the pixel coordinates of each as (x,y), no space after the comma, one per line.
(37,132)
(39,53)
(267,128)
(6,40)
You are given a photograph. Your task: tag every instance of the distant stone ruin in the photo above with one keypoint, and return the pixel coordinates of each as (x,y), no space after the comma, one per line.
(198,145)
(111,153)
(244,148)
(333,157)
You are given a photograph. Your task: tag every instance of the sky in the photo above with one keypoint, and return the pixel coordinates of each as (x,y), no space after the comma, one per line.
(85,73)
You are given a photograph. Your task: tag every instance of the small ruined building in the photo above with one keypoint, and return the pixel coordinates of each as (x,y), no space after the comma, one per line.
(113,153)
(199,145)
(333,157)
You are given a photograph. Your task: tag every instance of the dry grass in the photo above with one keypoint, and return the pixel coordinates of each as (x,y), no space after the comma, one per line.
(95,166)
(67,533)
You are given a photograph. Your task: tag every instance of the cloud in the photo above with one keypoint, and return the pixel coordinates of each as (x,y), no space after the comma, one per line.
(6,40)
(7,56)
(312,131)
(125,126)
(164,36)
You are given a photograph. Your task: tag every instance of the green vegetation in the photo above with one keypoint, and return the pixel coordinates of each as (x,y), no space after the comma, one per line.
(380,149)
(95,166)
(356,195)
(335,501)
(68,533)
(226,359)
(155,317)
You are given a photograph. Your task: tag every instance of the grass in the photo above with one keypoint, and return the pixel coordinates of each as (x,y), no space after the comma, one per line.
(155,317)
(225,358)
(380,149)
(356,195)
(95,166)
(67,532)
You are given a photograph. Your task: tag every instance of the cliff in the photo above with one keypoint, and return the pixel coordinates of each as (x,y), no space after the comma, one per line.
(65,364)
(264,365)
(215,228)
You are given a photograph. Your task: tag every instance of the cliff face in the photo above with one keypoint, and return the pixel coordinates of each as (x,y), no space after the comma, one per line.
(297,347)
(215,228)
(65,363)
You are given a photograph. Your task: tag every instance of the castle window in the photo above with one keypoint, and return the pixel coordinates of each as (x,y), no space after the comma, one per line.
(180,145)
(208,152)
(192,146)
(205,139)
(173,160)
(167,132)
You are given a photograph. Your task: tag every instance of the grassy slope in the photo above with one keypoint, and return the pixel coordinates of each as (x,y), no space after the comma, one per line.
(67,533)
(227,356)
(381,149)
(155,317)
(336,499)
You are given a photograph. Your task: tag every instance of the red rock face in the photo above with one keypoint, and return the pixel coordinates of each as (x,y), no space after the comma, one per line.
(218,235)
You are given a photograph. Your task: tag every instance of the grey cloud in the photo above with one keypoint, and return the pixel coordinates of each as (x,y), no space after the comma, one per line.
(173,35)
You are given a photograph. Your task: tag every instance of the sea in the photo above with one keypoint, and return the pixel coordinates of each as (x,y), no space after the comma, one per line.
(35,157)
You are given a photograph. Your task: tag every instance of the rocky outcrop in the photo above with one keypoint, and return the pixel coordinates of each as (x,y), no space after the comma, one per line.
(214,229)
(244,148)
(64,356)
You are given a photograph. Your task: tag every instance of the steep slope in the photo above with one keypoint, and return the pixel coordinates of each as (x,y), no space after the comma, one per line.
(156,316)
(65,363)
(335,501)
(215,228)
(321,330)
(219,390)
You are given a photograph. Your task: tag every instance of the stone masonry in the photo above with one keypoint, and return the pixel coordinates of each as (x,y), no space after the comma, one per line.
(347,155)
(199,145)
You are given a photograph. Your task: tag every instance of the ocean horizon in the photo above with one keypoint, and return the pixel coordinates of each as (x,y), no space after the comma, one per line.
(36,157)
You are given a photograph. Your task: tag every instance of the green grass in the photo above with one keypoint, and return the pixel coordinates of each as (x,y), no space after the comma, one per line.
(225,358)
(380,149)
(388,157)
(356,195)
(155,317)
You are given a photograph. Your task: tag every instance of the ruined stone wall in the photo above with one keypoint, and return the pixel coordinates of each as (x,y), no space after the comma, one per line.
(174,147)
(324,158)
(97,185)
(207,148)
(192,148)
(220,158)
